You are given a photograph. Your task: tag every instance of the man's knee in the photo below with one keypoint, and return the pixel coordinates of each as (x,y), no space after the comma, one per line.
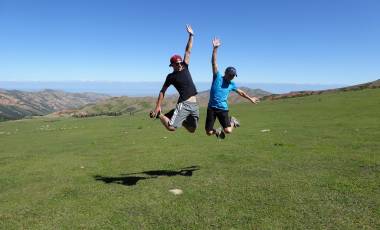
(170,128)
(190,127)
(191,130)
(228,130)
(209,132)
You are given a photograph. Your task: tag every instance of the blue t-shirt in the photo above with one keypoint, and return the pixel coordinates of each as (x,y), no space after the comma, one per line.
(219,92)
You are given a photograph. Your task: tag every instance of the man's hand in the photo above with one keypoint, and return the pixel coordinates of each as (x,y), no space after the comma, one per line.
(155,113)
(254,100)
(216,42)
(190,30)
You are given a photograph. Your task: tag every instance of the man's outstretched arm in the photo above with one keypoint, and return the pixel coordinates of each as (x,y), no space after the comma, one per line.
(215,43)
(189,45)
(157,111)
(160,99)
(254,100)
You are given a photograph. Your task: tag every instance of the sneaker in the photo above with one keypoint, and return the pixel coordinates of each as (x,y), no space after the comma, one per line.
(220,134)
(235,122)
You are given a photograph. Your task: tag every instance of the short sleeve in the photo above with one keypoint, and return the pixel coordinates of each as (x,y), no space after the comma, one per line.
(167,83)
(216,75)
(233,87)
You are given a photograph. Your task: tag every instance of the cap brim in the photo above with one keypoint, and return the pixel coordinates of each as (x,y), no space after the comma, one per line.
(171,64)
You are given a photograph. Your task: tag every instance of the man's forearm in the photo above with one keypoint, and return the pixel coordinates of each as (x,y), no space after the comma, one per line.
(252,99)
(159,100)
(189,45)
(213,60)
(246,96)
(243,94)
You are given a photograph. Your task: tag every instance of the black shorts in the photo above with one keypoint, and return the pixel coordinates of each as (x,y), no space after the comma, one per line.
(222,116)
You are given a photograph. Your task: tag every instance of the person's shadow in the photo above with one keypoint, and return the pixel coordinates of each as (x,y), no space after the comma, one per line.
(130,179)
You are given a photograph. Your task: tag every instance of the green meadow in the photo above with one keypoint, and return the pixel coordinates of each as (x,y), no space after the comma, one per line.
(302,163)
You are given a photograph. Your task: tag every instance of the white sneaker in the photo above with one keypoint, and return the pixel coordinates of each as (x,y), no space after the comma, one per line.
(219,133)
(235,122)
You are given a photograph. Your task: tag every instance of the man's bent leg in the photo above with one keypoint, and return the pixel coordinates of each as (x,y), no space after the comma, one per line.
(190,124)
(175,117)
(192,116)
(165,121)
(225,121)
(209,126)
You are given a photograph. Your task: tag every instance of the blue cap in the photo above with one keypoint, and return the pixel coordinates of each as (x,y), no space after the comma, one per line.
(231,71)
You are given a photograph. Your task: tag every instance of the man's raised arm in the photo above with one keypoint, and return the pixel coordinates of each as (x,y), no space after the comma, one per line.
(215,43)
(189,45)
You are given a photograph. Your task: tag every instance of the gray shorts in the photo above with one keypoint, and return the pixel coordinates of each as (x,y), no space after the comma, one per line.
(185,112)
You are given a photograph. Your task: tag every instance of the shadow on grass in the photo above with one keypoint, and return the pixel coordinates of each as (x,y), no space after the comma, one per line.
(130,179)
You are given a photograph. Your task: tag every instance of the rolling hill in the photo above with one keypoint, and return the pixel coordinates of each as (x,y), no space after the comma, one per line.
(16,104)
(132,105)
(368,85)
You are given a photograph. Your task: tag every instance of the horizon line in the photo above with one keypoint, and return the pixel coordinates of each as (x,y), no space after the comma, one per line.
(105,81)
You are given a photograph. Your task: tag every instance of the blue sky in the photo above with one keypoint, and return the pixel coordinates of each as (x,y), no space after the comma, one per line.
(273,41)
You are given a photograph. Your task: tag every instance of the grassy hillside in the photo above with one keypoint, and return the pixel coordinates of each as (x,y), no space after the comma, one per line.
(15,104)
(133,105)
(301,163)
(369,85)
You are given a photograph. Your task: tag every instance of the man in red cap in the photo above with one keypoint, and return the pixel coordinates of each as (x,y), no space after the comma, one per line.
(186,112)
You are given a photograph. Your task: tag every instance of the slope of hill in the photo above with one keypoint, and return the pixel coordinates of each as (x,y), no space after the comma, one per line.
(368,85)
(234,98)
(16,104)
(131,105)
(300,163)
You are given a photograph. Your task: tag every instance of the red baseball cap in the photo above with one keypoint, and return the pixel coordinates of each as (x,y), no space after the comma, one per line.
(175,59)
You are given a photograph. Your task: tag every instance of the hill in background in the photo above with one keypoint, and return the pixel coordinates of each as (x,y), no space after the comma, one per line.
(368,85)
(143,89)
(16,104)
(132,105)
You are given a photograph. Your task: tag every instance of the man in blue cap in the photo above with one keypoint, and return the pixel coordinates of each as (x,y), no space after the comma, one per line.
(218,103)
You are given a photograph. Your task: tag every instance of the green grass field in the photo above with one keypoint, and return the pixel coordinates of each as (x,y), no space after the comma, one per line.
(317,168)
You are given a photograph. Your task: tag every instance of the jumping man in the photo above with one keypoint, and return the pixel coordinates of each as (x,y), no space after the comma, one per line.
(218,103)
(186,112)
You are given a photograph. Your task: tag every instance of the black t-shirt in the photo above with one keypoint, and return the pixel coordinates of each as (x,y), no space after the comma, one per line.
(183,82)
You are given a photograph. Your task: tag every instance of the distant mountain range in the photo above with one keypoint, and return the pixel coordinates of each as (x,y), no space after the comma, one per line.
(131,105)
(16,104)
(143,89)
